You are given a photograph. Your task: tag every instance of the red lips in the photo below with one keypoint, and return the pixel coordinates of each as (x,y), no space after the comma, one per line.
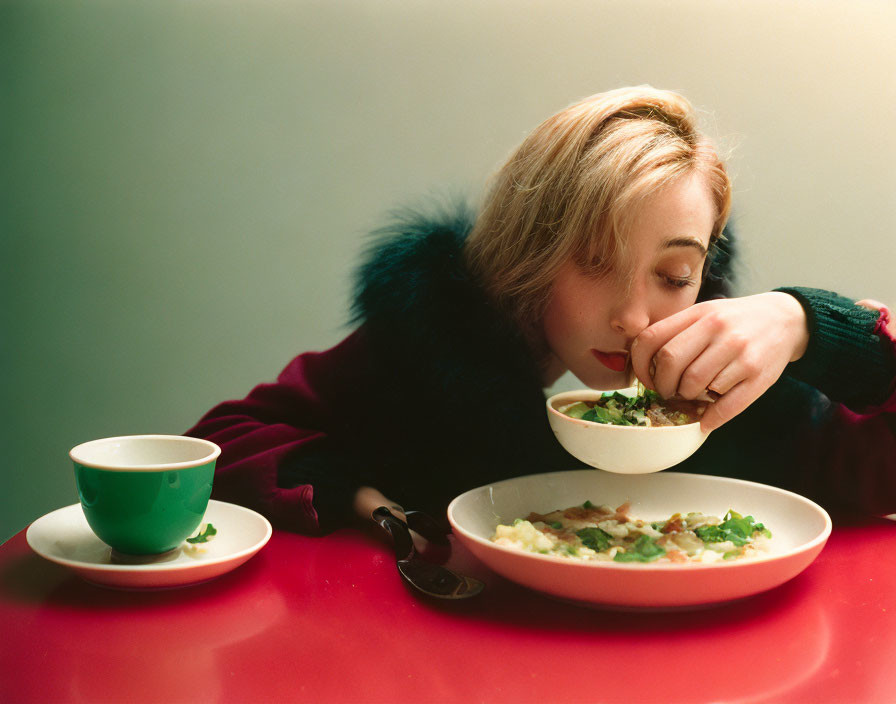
(612,360)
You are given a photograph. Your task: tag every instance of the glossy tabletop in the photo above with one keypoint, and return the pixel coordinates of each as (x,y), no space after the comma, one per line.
(328,620)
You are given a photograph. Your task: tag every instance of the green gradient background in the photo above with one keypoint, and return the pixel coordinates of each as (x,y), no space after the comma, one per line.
(184,185)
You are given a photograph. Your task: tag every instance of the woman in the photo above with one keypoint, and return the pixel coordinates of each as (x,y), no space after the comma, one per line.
(600,249)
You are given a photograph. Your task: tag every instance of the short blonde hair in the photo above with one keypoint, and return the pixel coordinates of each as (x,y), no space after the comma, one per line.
(570,189)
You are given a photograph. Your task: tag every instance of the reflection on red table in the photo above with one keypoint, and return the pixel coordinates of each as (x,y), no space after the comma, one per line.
(328,620)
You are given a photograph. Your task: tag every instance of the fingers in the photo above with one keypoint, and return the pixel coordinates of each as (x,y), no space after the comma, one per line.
(729,405)
(755,380)
(698,357)
(646,346)
(723,364)
(725,380)
(671,361)
(367,499)
(642,361)
(716,370)
(871,304)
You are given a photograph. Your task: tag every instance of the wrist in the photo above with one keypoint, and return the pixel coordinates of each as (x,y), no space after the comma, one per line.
(797,323)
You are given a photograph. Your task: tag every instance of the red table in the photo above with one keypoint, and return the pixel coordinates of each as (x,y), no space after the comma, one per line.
(328,620)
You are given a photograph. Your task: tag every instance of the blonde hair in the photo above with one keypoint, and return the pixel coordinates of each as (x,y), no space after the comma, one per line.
(571,188)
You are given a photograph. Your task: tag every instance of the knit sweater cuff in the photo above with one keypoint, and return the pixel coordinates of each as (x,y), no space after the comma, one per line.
(845,359)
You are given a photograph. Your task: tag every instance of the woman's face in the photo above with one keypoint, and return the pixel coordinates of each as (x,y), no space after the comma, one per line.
(590,322)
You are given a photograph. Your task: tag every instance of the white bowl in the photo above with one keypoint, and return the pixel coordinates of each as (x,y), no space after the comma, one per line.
(799,527)
(624,449)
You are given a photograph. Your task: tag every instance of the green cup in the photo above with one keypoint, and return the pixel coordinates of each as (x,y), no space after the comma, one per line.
(144,494)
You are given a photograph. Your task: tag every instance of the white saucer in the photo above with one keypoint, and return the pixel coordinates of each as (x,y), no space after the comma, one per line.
(64,537)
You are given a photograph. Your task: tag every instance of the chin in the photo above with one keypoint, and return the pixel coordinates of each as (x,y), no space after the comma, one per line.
(606,379)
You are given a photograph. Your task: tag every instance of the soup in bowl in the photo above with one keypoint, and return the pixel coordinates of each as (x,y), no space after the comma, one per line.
(624,432)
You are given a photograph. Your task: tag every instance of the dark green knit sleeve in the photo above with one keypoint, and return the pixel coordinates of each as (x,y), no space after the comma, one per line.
(845,359)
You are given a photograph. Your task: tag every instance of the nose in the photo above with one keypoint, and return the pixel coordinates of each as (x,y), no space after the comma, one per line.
(630,313)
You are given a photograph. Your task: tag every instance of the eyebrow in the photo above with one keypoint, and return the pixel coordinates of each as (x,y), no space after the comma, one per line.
(684,242)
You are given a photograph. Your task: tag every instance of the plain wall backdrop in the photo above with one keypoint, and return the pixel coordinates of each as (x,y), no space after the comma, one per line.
(186,184)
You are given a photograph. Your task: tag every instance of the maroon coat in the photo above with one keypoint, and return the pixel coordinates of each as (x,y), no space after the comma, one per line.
(278,422)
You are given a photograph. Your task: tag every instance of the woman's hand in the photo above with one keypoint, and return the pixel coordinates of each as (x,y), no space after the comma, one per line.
(367,500)
(735,347)
(871,304)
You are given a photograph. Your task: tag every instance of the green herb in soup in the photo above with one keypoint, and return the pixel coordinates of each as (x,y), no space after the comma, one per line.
(601,533)
(645,409)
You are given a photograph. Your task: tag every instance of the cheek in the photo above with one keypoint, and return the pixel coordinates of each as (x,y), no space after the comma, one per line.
(559,319)
(576,308)
(561,307)
(567,320)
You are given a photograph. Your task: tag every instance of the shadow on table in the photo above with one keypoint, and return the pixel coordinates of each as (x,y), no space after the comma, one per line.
(507,602)
(29,579)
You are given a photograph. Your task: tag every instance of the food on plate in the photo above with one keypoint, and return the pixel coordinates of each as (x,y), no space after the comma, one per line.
(647,408)
(600,533)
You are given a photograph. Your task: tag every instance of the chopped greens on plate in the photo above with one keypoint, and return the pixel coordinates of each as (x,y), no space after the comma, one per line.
(601,533)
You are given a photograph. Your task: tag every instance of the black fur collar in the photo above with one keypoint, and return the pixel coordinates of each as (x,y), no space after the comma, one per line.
(436,333)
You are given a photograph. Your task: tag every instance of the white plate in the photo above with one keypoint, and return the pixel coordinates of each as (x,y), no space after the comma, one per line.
(64,537)
(800,529)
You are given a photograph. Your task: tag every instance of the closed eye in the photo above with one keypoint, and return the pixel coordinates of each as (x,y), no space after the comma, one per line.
(678,281)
